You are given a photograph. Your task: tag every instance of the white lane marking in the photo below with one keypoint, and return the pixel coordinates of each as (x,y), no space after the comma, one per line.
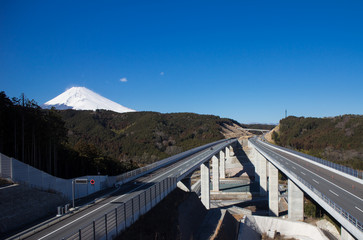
(110,202)
(333,193)
(322,178)
(359,209)
(287,163)
(294,167)
(315,181)
(303,173)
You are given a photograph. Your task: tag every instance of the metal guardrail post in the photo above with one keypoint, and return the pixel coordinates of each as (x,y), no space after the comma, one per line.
(73,193)
(94,229)
(125,215)
(116,221)
(151,198)
(106,226)
(132,207)
(156,194)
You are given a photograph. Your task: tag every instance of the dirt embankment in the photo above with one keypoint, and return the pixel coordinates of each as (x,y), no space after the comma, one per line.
(234,131)
(268,135)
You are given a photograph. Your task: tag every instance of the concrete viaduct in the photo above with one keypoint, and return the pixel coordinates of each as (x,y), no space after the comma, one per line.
(340,194)
(267,163)
(218,167)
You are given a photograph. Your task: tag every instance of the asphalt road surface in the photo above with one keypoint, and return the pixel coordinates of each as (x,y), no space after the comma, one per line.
(123,194)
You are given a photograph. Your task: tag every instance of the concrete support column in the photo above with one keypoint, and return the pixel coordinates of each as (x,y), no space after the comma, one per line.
(273,190)
(231,151)
(222,165)
(263,174)
(205,184)
(215,177)
(345,235)
(256,164)
(227,153)
(185,184)
(296,202)
(252,156)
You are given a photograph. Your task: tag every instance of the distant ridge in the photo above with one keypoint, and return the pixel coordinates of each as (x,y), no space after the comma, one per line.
(81,98)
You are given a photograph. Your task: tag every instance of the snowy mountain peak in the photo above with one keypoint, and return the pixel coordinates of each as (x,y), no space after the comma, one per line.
(81,98)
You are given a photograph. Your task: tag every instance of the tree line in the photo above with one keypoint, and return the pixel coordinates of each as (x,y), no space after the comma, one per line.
(39,138)
(337,139)
(70,143)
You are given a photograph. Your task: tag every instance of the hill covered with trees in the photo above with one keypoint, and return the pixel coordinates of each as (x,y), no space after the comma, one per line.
(140,137)
(72,143)
(338,139)
(39,138)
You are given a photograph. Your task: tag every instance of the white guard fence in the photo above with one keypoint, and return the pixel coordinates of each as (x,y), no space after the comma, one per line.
(123,216)
(22,173)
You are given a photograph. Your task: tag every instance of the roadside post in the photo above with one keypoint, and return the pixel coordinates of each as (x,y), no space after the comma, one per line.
(74,182)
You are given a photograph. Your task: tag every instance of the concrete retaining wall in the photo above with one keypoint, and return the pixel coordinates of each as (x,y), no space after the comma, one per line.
(25,174)
(271,226)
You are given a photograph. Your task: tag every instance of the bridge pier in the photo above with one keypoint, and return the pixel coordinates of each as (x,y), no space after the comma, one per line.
(222,165)
(262,162)
(215,177)
(205,184)
(255,162)
(273,190)
(227,153)
(345,235)
(296,202)
(185,184)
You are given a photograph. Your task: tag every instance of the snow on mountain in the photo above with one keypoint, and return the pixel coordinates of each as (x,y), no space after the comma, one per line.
(81,98)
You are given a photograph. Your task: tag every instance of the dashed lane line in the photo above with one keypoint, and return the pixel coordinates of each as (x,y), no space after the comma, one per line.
(333,193)
(315,181)
(359,209)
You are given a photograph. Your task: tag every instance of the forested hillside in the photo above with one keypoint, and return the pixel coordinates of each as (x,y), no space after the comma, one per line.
(338,139)
(39,138)
(140,137)
(73,143)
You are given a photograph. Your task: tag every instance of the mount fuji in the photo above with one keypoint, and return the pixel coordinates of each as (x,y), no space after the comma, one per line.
(81,98)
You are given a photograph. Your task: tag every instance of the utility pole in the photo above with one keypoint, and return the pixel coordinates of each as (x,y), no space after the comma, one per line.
(285,113)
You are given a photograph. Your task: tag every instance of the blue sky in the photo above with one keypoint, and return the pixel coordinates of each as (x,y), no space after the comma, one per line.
(245,60)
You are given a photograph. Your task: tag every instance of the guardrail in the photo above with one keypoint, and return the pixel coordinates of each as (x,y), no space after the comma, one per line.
(131,175)
(117,220)
(23,173)
(330,202)
(344,169)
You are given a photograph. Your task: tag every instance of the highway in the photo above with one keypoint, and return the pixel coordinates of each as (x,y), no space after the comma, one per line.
(127,191)
(345,192)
